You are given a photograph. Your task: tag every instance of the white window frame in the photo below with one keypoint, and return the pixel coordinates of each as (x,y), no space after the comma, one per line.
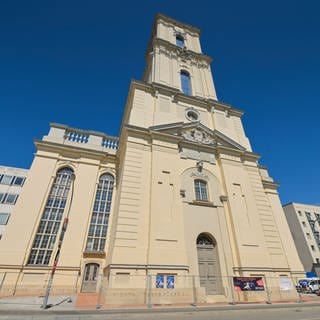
(15,197)
(201,190)
(4,218)
(7,176)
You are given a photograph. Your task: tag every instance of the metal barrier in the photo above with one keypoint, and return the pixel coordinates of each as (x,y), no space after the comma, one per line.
(150,290)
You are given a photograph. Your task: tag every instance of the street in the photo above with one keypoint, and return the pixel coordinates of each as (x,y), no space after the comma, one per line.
(274,312)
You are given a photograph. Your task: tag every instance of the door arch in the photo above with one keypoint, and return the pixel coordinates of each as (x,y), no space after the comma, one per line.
(208,263)
(90,277)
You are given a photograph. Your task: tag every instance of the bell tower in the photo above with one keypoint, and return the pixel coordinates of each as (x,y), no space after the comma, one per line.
(192,199)
(174,58)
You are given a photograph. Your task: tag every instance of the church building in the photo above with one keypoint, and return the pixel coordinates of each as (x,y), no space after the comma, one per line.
(176,208)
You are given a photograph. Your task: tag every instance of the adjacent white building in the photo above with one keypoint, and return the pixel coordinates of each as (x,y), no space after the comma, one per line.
(11,182)
(304,223)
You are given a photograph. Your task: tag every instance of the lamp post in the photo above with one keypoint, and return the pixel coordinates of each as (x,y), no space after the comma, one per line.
(61,237)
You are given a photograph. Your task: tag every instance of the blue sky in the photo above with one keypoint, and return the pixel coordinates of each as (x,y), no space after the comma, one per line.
(71,62)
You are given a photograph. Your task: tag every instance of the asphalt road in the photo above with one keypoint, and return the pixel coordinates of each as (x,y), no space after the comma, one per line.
(288,313)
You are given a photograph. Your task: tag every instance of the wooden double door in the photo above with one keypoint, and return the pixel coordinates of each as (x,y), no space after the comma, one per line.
(90,278)
(208,263)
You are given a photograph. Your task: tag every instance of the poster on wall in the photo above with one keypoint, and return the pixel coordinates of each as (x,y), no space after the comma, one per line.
(248,284)
(170,282)
(160,281)
(285,284)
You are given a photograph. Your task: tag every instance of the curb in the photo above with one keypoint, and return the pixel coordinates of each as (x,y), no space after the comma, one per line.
(159,309)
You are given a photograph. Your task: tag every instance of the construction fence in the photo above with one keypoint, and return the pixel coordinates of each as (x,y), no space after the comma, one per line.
(125,290)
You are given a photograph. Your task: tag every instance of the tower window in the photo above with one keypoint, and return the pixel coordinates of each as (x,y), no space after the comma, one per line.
(185,82)
(200,188)
(180,41)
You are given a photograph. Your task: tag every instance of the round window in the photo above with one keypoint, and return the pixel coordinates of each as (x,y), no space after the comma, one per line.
(192,115)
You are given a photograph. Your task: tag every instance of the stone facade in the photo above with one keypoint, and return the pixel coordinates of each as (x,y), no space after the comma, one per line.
(191,207)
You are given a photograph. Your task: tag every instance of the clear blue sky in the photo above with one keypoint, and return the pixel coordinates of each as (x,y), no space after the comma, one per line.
(71,62)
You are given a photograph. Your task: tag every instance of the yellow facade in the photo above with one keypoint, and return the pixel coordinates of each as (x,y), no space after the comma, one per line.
(190,203)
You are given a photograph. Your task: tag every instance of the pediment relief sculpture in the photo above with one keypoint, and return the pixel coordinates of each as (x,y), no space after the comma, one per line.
(196,132)
(197,135)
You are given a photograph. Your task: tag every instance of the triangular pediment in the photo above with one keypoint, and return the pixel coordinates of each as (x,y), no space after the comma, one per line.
(196,132)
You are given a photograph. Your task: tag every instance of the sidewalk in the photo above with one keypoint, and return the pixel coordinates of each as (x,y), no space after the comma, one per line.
(68,305)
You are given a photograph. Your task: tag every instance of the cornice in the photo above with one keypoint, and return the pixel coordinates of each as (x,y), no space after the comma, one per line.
(58,147)
(179,24)
(214,149)
(244,155)
(261,269)
(270,184)
(177,96)
(148,266)
(180,52)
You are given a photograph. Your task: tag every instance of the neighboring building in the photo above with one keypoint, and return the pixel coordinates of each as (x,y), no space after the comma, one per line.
(180,201)
(304,223)
(11,182)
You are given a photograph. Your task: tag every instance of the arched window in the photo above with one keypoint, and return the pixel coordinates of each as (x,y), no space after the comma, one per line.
(200,188)
(179,41)
(185,82)
(46,235)
(204,240)
(100,214)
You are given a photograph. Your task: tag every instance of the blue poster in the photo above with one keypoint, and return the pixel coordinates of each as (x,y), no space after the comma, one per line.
(170,282)
(160,281)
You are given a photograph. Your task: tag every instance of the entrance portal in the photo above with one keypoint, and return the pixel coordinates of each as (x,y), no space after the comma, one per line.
(208,262)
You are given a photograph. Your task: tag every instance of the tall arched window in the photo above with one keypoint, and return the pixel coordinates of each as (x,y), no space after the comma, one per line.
(179,41)
(185,82)
(46,235)
(100,216)
(201,190)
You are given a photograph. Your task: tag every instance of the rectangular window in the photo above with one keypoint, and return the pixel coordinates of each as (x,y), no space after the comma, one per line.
(4,217)
(179,41)
(18,181)
(312,248)
(6,179)
(200,188)
(308,215)
(11,198)
(185,83)
(304,224)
